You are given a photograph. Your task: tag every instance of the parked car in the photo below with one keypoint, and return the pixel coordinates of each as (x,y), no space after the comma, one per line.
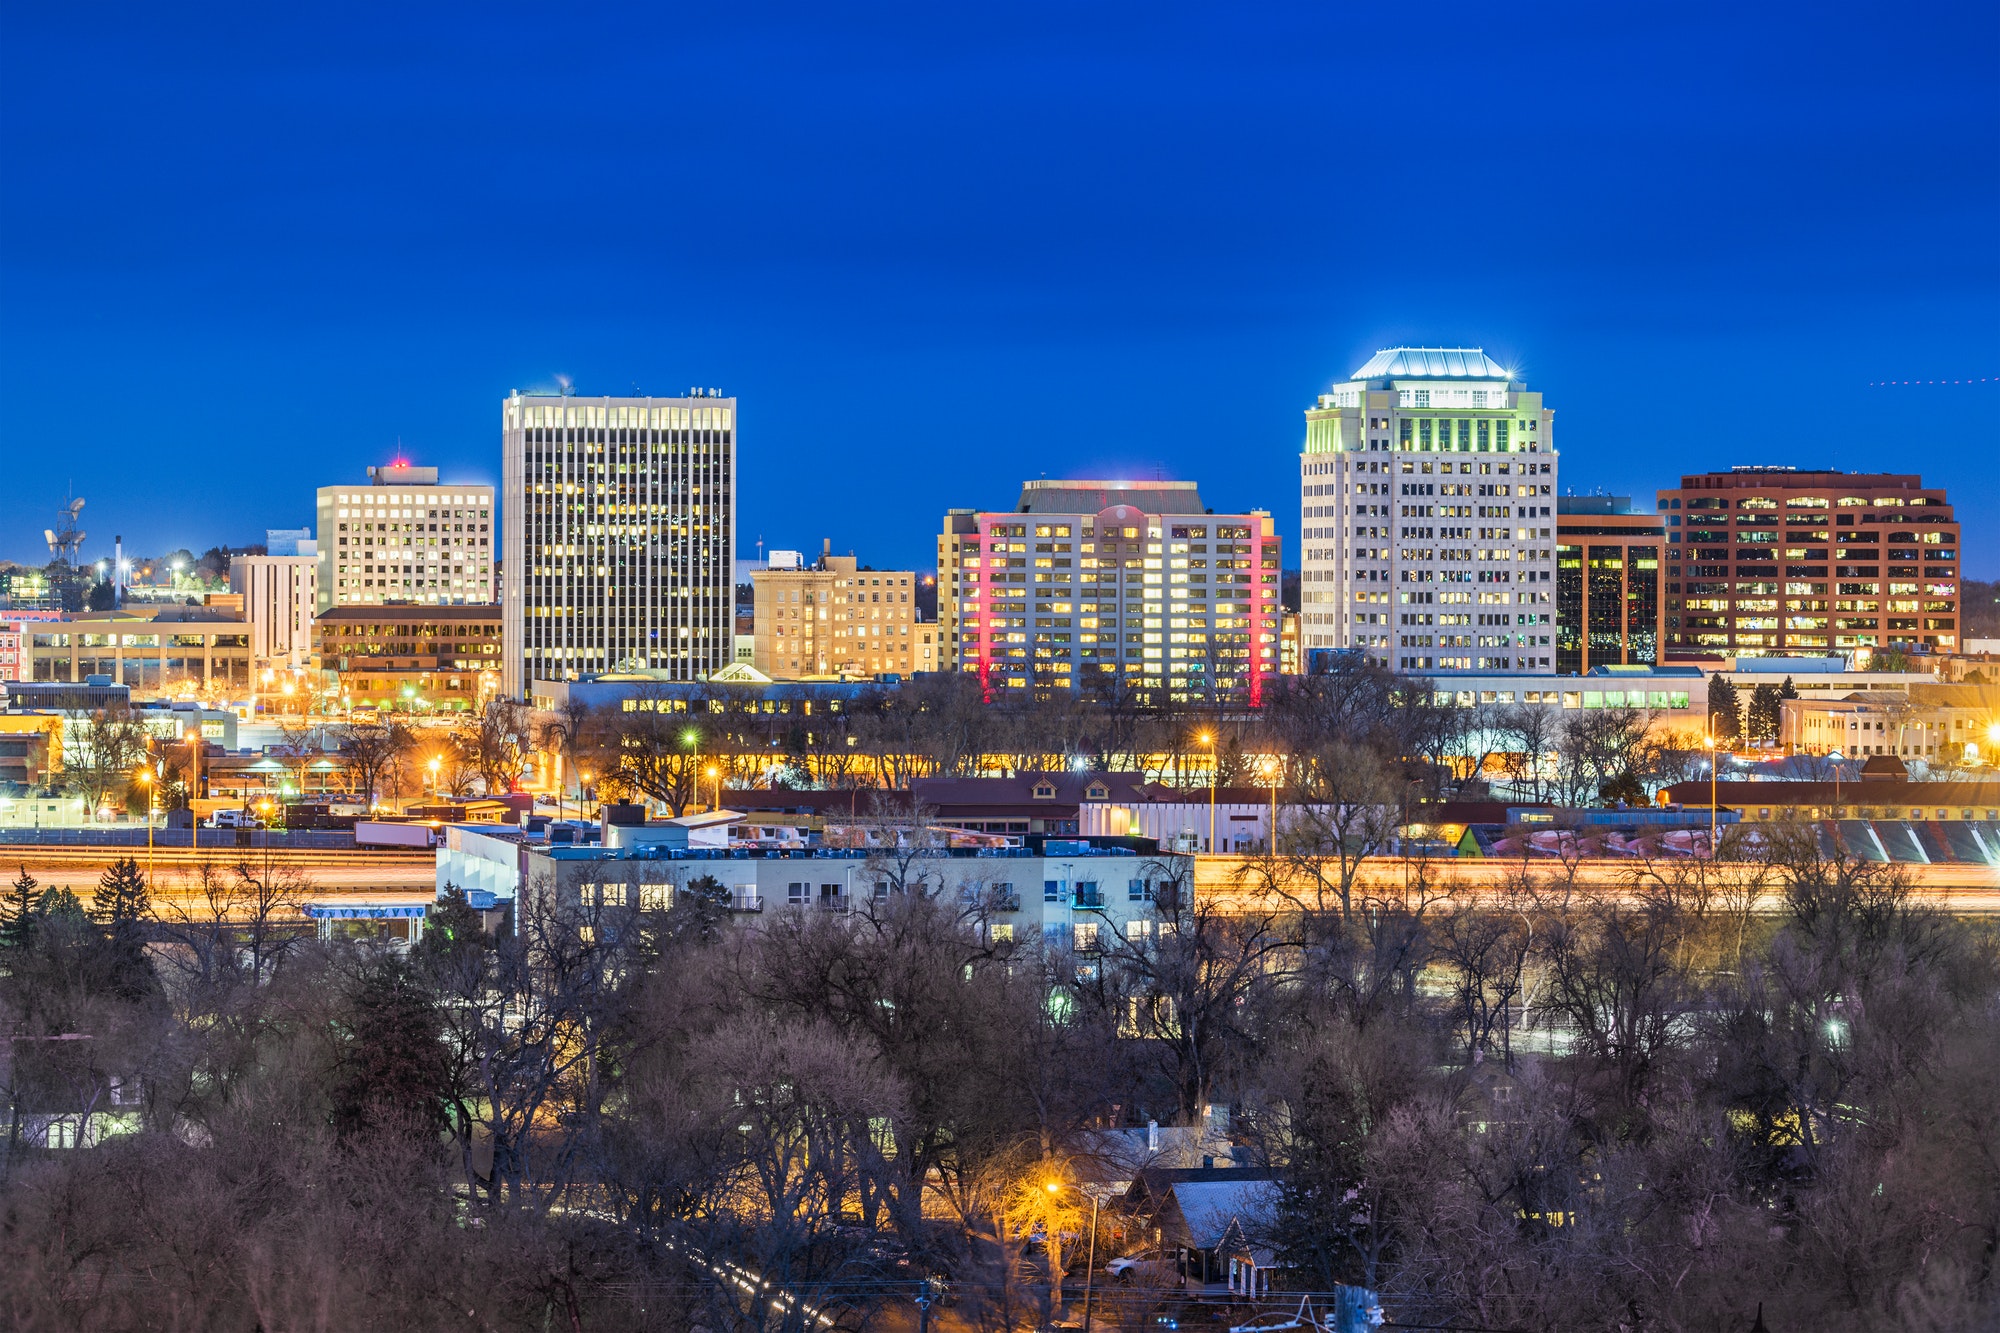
(1150,1267)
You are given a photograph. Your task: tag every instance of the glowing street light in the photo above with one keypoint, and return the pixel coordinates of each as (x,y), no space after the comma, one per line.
(1208,738)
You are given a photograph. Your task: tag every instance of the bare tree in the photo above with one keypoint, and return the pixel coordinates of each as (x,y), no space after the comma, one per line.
(101,754)
(501,745)
(369,752)
(650,750)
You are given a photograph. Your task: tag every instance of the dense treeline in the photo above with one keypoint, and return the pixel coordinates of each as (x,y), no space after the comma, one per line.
(1552,1108)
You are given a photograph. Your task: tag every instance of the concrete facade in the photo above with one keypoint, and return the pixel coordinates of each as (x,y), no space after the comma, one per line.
(280,598)
(405,537)
(1427,502)
(1110,586)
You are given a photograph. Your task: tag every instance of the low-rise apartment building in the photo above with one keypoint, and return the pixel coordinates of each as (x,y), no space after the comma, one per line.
(1065,894)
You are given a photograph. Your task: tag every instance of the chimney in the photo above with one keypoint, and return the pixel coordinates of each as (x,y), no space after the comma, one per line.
(117,572)
(1152,1136)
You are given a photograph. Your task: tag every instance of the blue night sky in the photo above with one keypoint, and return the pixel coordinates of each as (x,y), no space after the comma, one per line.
(937,249)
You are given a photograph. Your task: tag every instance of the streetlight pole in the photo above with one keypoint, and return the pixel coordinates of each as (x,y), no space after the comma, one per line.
(1711,796)
(693,739)
(194,785)
(152,809)
(1097,1195)
(1208,739)
(1275,770)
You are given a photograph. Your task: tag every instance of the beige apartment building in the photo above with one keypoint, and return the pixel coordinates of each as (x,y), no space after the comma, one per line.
(405,537)
(836,619)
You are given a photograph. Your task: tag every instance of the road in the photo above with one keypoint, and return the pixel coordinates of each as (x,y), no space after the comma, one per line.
(377,876)
(1237,880)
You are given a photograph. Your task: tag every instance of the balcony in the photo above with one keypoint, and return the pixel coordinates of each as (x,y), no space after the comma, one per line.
(746,902)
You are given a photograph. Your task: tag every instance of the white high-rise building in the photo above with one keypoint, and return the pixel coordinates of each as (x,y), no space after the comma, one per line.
(620,535)
(405,537)
(1427,507)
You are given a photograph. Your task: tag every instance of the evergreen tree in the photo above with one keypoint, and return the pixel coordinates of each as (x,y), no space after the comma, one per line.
(122,905)
(121,893)
(17,915)
(1766,713)
(1788,690)
(59,906)
(393,1065)
(454,923)
(1725,709)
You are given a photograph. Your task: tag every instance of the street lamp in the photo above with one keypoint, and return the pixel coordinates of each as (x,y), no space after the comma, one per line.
(1274,770)
(1710,739)
(1208,738)
(152,808)
(1098,1194)
(692,739)
(193,737)
(716,773)
(435,762)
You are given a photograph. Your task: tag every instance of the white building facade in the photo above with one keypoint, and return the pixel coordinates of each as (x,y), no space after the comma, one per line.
(280,598)
(1427,508)
(620,532)
(405,537)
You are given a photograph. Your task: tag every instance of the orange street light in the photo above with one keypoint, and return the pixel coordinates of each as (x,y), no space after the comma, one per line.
(1208,739)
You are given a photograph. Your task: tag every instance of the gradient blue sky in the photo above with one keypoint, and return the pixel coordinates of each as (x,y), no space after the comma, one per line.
(936,249)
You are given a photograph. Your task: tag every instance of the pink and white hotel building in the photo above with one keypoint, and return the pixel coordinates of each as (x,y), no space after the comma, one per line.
(1112,585)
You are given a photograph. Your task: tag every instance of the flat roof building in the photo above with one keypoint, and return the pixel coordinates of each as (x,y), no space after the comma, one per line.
(280,597)
(1778,560)
(620,536)
(446,658)
(1609,608)
(836,619)
(405,537)
(1112,586)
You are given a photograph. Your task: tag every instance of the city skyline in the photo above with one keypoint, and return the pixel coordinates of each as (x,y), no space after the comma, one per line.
(1018,279)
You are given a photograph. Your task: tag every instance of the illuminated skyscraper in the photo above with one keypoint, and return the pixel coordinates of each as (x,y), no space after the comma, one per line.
(1427,506)
(619,528)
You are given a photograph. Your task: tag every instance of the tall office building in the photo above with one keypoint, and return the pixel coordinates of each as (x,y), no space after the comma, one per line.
(1609,608)
(1427,494)
(1775,560)
(620,530)
(405,537)
(1112,584)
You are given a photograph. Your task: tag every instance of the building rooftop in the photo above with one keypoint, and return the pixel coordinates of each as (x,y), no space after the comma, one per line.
(411,611)
(1601,505)
(1094,497)
(1431,363)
